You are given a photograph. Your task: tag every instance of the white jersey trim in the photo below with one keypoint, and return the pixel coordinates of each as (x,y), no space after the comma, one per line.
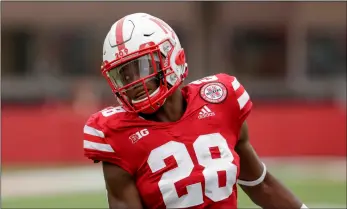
(97,146)
(92,131)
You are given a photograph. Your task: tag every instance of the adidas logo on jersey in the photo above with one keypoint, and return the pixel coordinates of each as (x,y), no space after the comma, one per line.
(205,112)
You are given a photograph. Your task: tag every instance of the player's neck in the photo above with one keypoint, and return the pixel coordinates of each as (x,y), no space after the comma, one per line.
(172,110)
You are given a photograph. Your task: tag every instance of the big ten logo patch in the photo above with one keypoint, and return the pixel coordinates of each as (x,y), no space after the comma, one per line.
(138,135)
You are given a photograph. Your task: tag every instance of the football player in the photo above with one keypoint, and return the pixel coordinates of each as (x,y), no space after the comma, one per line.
(168,145)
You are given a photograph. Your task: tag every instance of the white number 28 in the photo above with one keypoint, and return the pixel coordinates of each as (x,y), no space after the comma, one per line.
(185,167)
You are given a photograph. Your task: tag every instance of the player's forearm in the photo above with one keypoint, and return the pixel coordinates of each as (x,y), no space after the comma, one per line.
(122,201)
(272,194)
(116,204)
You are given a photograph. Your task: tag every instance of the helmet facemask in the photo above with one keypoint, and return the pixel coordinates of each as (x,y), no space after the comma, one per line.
(139,79)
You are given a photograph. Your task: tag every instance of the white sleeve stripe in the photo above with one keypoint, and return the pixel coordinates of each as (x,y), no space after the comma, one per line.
(97,146)
(92,131)
(243,99)
(235,84)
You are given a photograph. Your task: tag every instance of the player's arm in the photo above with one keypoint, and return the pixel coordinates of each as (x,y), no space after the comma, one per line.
(118,173)
(262,187)
(121,188)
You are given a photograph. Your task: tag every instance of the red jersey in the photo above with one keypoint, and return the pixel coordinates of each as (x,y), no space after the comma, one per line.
(190,163)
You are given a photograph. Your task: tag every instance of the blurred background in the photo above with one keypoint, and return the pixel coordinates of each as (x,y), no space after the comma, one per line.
(290,56)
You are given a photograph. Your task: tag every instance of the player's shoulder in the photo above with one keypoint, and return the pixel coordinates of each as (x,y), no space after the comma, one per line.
(221,81)
(218,88)
(101,118)
(221,78)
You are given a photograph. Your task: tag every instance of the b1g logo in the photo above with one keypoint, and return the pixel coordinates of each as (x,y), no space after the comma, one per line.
(138,135)
(213,92)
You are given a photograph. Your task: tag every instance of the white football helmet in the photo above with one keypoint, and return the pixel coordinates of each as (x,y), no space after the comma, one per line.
(138,48)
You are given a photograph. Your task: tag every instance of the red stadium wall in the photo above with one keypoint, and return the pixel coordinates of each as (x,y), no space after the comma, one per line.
(54,134)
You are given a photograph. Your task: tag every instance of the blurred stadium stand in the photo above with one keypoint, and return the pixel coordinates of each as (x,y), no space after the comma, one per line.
(291,57)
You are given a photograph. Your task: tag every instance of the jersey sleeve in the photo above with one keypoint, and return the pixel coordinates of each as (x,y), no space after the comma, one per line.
(239,98)
(97,146)
(243,99)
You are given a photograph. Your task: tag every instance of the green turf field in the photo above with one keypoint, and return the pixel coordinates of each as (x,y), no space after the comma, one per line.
(313,192)
(316,185)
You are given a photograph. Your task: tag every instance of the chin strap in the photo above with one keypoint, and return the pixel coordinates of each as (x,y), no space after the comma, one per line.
(255,182)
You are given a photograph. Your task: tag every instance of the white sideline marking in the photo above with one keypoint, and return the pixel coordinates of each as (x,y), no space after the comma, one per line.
(325,205)
(53,181)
